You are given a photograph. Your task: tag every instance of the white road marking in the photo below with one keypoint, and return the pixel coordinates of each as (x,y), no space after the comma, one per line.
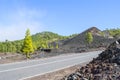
(25,61)
(41,64)
(62,55)
(51,71)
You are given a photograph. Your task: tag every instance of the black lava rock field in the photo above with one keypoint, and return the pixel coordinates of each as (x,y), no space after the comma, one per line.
(105,67)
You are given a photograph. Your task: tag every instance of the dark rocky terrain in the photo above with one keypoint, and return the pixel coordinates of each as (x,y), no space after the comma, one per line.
(75,44)
(105,67)
(78,43)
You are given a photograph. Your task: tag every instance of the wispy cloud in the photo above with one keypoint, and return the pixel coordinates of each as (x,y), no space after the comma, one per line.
(17,21)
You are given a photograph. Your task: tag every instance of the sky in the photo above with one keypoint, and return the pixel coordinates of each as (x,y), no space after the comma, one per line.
(64,17)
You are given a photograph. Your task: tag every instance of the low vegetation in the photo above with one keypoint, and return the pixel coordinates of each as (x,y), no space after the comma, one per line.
(39,40)
(112,32)
(89,37)
(44,40)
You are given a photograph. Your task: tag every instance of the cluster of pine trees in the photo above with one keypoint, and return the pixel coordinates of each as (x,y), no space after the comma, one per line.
(39,40)
(44,40)
(114,32)
(11,46)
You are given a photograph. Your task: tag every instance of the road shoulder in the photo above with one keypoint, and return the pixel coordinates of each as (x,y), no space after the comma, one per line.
(57,75)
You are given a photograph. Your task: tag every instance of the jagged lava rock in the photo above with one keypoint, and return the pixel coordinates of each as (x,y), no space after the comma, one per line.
(105,67)
(111,54)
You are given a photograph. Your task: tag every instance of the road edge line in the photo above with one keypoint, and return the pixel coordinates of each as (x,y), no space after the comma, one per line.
(53,70)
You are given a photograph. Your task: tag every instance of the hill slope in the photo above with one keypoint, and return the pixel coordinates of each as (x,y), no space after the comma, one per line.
(72,43)
(43,39)
(40,40)
(105,67)
(78,43)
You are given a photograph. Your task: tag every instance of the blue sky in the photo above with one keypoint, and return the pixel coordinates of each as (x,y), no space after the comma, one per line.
(64,17)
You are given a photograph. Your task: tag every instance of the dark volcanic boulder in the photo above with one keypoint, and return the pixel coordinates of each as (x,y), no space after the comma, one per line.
(111,54)
(105,67)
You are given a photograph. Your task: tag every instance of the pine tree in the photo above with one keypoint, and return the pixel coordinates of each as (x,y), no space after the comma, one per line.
(27,45)
(57,46)
(14,49)
(89,37)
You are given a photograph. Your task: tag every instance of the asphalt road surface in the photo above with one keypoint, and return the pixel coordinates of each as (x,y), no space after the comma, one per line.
(30,68)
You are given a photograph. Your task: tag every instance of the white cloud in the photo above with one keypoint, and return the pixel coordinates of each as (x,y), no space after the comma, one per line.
(18,21)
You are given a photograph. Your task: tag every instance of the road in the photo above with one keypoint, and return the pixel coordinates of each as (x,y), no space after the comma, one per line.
(30,68)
